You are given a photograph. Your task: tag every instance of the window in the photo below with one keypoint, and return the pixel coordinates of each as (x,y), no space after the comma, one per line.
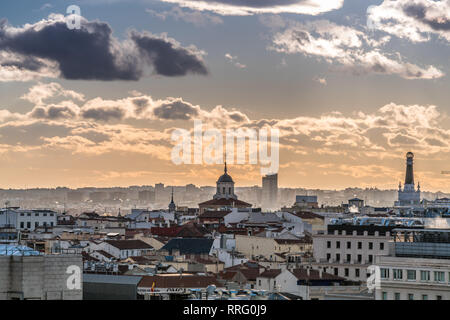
(259,282)
(338,257)
(410,296)
(349,257)
(397,296)
(359,258)
(439,276)
(349,245)
(336,271)
(359,245)
(411,274)
(370,245)
(346,272)
(424,275)
(370,258)
(29,214)
(22,225)
(398,274)
(328,244)
(384,273)
(28,225)
(357,273)
(36,224)
(328,256)
(424,297)
(384,296)
(338,244)
(438,297)
(381,245)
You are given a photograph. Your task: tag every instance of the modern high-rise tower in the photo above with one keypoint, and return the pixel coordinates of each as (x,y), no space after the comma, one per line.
(409,196)
(270,192)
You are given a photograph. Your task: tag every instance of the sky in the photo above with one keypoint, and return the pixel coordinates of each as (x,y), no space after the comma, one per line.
(351,86)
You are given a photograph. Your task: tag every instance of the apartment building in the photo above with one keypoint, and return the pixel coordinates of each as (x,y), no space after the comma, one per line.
(417,267)
(27,219)
(348,246)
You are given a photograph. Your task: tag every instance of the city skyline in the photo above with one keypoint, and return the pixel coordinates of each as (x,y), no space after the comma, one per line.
(352,86)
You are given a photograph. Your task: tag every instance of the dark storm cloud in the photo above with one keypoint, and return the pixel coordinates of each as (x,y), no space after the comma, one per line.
(92,53)
(419,12)
(176,110)
(166,57)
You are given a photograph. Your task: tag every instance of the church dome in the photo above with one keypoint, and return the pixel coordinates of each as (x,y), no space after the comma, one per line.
(225,177)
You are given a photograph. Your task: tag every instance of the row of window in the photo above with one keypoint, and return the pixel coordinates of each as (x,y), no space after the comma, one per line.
(346,272)
(349,258)
(397,296)
(36,214)
(36,224)
(349,245)
(411,275)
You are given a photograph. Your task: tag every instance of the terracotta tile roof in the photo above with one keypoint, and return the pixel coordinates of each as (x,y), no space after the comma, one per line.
(250,274)
(305,239)
(129,244)
(308,215)
(213,214)
(270,273)
(177,281)
(167,232)
(105,254)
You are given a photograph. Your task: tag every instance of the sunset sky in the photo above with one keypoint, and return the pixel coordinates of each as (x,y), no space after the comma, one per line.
(352,86)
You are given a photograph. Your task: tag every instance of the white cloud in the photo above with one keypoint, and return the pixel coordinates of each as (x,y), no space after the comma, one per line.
(197,18)
(414,20)
(250,7)
(233,59)
(349,48)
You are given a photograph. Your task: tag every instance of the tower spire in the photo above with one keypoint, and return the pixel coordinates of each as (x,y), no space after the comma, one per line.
(409,177)
(225,170)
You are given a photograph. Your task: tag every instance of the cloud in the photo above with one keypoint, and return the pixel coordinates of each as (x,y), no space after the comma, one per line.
(105,135)
(233,60)
(66,110)
(37,94)
(167,56)
(250,7)
(321,80)
(196,18)
(413,20)
(349,48)
(176,109)
(90,53)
